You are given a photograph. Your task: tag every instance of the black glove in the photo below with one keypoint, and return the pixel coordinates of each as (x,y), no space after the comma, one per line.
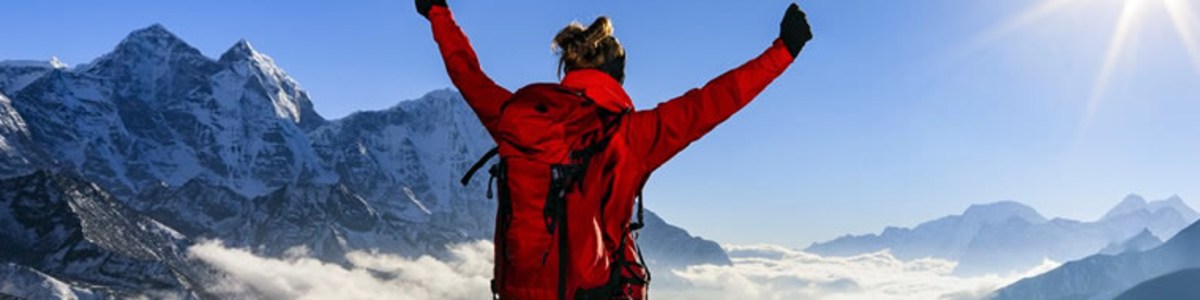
(794,29)
(423,6)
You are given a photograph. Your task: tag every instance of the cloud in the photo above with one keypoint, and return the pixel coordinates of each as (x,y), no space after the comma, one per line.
(758,272)
(774,272)
(463,275)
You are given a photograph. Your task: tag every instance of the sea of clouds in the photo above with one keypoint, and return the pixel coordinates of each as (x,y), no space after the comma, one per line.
(366,275)
(758,272)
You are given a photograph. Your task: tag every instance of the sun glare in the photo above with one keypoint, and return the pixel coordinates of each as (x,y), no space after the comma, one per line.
(1181,14)
(1130,12)
(1185,21)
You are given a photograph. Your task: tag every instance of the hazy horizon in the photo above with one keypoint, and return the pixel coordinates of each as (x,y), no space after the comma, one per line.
(896,113)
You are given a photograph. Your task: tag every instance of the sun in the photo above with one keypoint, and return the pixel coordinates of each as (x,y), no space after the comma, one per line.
(1182,18)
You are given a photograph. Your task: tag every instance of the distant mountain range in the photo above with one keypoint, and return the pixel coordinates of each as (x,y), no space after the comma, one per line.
(1008,236)
(111,167)
(1105,276)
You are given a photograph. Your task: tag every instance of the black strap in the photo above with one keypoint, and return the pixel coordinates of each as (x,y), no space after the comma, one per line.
(616,280)
(499,172)
(641,219)
(563,251)
(479,164)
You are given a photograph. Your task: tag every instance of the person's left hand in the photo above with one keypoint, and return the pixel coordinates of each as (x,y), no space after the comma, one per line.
(423,6)
(794,29)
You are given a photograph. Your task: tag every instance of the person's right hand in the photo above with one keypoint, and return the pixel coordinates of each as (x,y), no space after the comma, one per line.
(423,6)
(794,29)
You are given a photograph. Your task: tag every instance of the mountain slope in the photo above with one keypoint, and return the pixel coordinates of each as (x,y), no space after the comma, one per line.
(26,283)
(1179,285)
(72,230)
(1104,276)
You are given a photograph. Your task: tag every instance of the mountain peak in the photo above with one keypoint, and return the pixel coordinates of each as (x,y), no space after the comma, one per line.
(1174,199)
(155,36)
(1134,198)
(242,50)
(1134,203)
(155,29)
(57,64)
(1175,202)
(1131,203)
(148,48)
(997,211)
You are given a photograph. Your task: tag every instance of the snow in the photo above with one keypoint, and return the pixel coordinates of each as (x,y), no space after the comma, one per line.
(231,148)
(24,282)
(58,64)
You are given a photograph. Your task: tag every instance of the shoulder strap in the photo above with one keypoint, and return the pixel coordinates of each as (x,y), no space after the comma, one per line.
(479,164)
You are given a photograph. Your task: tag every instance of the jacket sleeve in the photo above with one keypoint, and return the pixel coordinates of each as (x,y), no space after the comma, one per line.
(483,95)
(658,134)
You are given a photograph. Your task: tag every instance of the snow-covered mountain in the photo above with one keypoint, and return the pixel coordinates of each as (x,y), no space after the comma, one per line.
(1105,276)
(23,282)
(57,227)
(232,149)
(1135,205)
(1008,236)
(155,110)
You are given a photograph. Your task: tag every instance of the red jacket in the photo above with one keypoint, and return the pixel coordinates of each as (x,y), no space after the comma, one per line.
(643,141)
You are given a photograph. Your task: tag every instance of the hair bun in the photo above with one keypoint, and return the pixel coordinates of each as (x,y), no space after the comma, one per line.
(579,47)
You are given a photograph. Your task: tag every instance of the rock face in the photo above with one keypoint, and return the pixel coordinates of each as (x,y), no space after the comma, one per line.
(232,149)
(1105,276)
(22,282)
(1007,236)
(70,228)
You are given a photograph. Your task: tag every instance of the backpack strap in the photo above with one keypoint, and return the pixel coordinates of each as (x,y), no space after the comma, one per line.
(479,165)
(503,212)
(499,172)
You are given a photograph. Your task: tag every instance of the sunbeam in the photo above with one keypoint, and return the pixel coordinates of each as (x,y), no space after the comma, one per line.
(1185,22)
(1030,16)
(1026,18)
(1116,46)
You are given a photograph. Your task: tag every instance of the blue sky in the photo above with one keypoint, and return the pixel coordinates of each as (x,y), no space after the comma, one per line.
(898,112)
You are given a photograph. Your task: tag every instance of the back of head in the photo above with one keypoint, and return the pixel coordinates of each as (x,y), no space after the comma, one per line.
(593,46)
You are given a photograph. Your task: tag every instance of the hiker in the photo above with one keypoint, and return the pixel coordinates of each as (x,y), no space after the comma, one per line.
(574,155)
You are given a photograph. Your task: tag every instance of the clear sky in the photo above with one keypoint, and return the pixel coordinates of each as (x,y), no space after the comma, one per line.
(898,112)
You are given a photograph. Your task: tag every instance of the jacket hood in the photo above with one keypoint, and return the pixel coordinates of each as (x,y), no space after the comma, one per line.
(599,87)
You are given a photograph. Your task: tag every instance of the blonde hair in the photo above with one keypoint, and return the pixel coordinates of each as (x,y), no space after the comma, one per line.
(581,48)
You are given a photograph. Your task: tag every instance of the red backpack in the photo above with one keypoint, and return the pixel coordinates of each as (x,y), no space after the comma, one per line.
(548,137)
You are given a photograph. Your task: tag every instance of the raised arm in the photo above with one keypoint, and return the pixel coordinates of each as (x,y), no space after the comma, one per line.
(660,133)
(483,95)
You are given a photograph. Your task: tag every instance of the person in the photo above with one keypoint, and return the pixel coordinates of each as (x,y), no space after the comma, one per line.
(575,154)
